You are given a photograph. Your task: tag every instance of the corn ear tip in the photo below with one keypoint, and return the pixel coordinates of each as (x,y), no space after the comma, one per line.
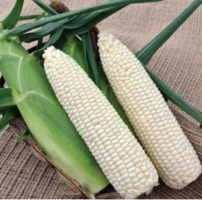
(48,51)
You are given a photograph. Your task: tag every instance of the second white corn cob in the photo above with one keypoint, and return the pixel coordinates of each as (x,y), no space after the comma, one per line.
(120,156)
(163,139)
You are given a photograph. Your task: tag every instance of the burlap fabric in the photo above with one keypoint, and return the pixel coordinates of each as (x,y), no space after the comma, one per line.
(178,63)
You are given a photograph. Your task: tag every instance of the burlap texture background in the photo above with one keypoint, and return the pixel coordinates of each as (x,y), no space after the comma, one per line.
(178,63)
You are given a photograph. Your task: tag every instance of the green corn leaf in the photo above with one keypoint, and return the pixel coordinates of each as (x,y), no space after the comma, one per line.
(28,17)
(45,7)
(12,19)
(145,54)
(74,48)
(86,62)
(113,4)
(7,46)
(8,117)
(7,98)
(68,147)
(25,136)
(46,30)
(50,42)
(85,58)
(175,98)
(91,58)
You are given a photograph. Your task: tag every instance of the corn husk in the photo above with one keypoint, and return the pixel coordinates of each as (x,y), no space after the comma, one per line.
(45,118)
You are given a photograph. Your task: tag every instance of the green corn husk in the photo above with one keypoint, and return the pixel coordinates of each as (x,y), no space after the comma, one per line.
(45,118)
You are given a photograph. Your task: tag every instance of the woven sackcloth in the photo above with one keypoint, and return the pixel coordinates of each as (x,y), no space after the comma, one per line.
(178,63)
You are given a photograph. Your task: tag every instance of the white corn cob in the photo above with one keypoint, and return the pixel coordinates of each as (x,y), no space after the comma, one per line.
(120,156)
(163,139)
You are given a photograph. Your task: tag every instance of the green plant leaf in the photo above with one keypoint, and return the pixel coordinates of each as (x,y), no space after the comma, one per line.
(51,27)
(145,54)
(39,43)
(86,27)
(8,117)
(25,136)
(73,23)
(46,30)
(91,58)
(45,7)
(3,110)
(74,48)
(80,20)
(113,4)
(50,42)
(28,17)
(43,14)
(12,19)
(86,60)
(7,98)
(83,29)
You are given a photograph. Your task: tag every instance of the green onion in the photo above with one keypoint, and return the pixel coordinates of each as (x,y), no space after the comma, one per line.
(145,54)
(45,7)
(27,27)
(28,17)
